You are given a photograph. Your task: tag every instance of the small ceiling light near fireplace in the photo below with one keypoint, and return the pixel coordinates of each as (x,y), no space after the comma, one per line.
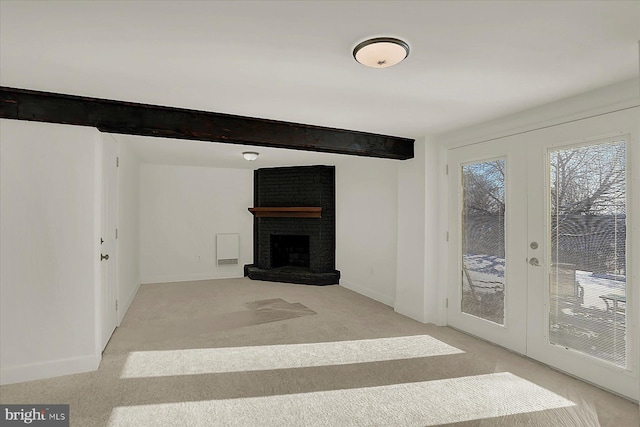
(250,155)
(381,52)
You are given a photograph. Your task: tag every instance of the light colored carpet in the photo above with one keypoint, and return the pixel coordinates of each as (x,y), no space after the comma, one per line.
(266,357)
(241,352)
(428,403)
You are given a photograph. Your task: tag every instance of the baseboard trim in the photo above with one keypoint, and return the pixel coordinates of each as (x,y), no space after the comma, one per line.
(384,299)
(122,310)
(409,312)
(49,369)
(191,278)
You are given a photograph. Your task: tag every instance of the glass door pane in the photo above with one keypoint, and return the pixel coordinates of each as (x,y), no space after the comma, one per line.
(487,288)
(587,305)
(483,240)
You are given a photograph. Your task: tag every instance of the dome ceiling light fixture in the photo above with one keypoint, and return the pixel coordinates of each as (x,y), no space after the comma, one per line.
(250,155)
(381,52)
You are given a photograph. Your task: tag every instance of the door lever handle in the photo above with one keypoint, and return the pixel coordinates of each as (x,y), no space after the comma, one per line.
(104,257)
(534,262)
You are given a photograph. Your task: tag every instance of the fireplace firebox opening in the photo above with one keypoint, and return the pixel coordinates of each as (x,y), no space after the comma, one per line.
(290,250)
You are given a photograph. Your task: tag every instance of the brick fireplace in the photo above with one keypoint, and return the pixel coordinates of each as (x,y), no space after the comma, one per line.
(294,225)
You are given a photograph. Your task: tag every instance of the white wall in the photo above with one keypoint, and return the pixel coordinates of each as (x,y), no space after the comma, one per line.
(435,256)
(366,226)
(49,228)
(421,240)
(182,208)
(410,289)
(128,227)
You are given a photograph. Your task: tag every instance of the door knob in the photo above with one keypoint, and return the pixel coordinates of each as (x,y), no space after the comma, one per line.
(534,262)
(104,257)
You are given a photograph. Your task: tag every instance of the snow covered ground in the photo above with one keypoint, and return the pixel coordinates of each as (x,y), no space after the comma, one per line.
(586,327)
(487,274)
(594,286)
(486,271)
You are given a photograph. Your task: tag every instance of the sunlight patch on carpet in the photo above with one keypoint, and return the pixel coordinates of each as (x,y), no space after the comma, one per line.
(414,404)
(141,364)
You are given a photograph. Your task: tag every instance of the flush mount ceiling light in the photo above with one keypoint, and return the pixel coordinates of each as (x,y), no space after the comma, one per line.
(381,52)
(250,155)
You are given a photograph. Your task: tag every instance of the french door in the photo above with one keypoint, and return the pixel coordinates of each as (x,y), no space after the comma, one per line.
(542,252)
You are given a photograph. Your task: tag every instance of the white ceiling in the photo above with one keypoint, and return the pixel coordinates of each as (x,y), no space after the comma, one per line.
(470,61)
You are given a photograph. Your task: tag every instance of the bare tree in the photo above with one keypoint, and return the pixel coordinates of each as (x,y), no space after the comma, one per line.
(484,188)
(484,208)
(588,180)
(588,226)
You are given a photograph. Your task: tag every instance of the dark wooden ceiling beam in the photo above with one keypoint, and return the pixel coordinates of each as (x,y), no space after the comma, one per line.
(151,120)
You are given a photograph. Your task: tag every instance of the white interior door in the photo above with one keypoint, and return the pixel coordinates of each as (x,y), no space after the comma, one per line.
(565,291)
(108,243)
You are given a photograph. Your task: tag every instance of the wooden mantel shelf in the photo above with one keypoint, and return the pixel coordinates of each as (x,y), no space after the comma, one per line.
(293,212)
